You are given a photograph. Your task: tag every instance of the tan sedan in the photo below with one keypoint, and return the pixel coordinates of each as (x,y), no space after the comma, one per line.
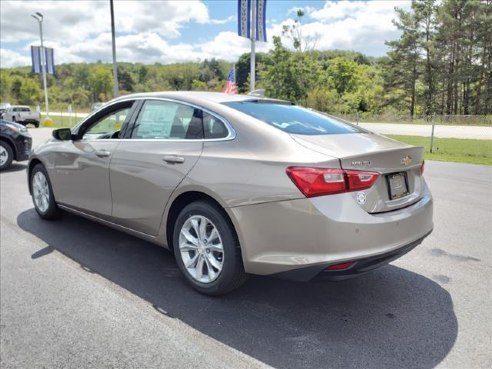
(238,185)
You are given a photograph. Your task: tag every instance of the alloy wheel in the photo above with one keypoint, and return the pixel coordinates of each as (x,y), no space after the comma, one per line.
(41,191)
(201,249)
(4,156)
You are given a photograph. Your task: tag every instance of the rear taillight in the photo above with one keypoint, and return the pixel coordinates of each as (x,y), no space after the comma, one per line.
(326,181)
(422,168)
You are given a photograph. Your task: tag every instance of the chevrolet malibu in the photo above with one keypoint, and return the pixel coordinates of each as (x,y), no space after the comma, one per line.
(236,185)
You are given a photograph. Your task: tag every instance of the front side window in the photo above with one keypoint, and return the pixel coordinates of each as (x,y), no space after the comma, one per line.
(168,120)
(107,127)
(292,118)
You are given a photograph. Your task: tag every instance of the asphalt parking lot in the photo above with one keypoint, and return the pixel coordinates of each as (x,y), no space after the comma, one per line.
(77,294)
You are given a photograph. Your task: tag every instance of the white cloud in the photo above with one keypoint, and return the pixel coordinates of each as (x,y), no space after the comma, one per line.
(223,21)
(228,46)
(149,31)
(79,20)
(9,58)
(306,9)
(351,25)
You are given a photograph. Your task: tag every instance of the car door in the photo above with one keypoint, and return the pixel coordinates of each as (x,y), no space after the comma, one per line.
(163,145)
(81,166)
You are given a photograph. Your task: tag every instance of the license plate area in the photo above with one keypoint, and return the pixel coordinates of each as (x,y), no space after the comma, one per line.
(397,185)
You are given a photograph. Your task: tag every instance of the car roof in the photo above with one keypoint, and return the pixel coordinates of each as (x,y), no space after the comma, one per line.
(193,96)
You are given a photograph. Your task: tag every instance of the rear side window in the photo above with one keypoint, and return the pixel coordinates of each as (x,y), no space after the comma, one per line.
(168,120)
(213,127)
(292,119)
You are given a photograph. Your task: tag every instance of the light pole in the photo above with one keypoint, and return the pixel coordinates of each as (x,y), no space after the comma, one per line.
(39,17)
(116,92)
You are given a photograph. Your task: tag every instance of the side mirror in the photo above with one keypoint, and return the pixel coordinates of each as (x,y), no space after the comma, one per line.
(62,134)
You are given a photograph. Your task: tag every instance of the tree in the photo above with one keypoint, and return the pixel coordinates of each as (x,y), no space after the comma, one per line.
(442,60)
(343,75)
(5,86)
(210,69)
(30,92)
(404,56)
(426,19)
(101,82)
(291,75)
(125,79)
(293,32)
(243,69)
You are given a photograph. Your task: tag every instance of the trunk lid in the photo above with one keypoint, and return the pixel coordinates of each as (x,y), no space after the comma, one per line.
(400,182)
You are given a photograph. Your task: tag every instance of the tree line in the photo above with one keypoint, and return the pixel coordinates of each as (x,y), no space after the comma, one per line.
(441,64)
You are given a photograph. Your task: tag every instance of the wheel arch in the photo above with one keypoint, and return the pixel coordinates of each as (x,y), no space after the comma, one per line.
(11,144)
(32,163)
(187,198)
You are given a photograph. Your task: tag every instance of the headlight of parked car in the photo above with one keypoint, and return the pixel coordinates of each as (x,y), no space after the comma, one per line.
(17,128)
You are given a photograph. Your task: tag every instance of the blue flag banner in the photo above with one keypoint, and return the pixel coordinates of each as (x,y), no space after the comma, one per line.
(36,59)
(50,62)
(244,18)
(48,57)
(260,20)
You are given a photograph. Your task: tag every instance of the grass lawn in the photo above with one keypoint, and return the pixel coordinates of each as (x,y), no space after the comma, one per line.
(452,149)
(444,149)
(62,122)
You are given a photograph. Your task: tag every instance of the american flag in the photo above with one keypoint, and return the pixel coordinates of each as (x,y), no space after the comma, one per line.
(231,87)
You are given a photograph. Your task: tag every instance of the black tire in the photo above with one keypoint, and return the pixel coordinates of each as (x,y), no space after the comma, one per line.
(232,274)
(52,211)
(14,120)
(36,124)
(8,153)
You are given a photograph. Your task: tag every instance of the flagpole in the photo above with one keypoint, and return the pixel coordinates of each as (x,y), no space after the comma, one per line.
(253,39)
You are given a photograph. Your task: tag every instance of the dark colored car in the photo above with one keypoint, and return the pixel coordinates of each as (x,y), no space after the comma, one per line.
(15,143)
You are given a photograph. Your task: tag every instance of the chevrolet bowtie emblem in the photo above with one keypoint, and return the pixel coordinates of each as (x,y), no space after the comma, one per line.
(407,160)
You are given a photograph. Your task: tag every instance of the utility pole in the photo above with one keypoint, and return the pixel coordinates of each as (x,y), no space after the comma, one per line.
(39,17)
(116,92)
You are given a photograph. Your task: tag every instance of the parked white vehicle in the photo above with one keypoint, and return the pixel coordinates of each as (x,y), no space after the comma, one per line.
(3,107)
(22,114)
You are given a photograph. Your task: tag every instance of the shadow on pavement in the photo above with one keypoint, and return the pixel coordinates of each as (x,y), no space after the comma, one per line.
(15,167)
(391,318)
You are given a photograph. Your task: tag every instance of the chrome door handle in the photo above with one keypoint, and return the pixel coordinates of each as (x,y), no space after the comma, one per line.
(103,153)
(173,159)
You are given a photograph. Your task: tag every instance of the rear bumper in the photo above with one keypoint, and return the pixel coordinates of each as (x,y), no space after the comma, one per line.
(311,234)
(28,120)
(358,267)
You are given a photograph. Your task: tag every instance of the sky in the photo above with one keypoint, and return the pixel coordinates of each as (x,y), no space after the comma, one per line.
(171,31)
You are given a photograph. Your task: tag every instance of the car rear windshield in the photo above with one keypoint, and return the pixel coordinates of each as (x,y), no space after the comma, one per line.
(292,119)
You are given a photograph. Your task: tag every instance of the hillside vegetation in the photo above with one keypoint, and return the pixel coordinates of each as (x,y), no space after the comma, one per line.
(442,64)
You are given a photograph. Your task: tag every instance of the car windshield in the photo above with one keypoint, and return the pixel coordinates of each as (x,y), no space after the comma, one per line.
(292,118)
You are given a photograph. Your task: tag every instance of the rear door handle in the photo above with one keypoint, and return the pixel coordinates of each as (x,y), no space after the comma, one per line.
(173,159)
(103,153)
